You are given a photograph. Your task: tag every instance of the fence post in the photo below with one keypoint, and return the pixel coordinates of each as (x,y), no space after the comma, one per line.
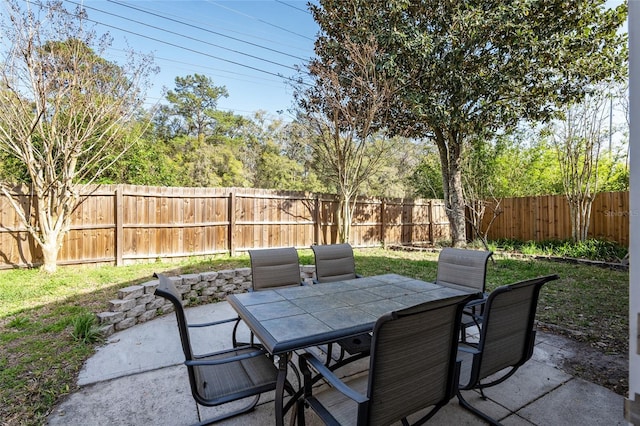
(232,223)
(316,220)
(430,218)
(119,218)
(383,225)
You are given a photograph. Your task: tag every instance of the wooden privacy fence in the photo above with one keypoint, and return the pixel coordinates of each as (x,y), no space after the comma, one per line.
(125,224)
(547,218)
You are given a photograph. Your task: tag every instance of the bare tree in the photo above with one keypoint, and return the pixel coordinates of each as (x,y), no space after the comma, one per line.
(578,140)
(66,114)
(479,166)
(344,109)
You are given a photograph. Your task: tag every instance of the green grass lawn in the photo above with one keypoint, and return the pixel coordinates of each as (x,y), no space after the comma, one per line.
(40,357)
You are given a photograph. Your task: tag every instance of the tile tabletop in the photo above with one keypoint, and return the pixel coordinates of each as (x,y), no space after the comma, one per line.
(297,317)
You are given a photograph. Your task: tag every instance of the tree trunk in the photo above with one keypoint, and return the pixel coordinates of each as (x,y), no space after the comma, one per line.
(456,211)
(580,215)
(344,219)
(50,248)
(449,150)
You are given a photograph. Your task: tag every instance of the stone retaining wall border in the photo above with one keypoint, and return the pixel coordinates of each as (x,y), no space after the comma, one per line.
(137,304)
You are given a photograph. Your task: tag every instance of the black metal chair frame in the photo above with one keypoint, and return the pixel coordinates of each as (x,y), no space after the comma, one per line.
(309,361)
(357,345)
(477,349)
(237,354)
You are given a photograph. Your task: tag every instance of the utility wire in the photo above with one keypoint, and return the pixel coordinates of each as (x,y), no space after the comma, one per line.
(182,35)
(260,20)
(292,6)
(200,28)
(279,75)
(192,50)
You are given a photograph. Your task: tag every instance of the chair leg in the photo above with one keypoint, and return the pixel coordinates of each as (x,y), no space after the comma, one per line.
(299,412)
(465,404)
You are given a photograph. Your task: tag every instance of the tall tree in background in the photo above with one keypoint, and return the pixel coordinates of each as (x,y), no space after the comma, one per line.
(65,114)
(343,109)
(463,70)
(277,156)
(205,141)
(578,140)
(194,103)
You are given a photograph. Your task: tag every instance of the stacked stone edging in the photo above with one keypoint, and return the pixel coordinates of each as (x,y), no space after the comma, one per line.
(138,303)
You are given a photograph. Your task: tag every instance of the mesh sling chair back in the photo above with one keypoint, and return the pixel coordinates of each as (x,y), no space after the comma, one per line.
(335,262)
(270,268)
(412,367)
(223,376)
(466,268)
(507,338)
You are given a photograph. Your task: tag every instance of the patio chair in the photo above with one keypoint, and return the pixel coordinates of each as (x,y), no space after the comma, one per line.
(466,268)
(412,367)
(224,376)
(506,340)
(335,262)
(278,267)
(273,268)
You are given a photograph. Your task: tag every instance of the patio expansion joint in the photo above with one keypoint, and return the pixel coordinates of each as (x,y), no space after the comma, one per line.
(550,391)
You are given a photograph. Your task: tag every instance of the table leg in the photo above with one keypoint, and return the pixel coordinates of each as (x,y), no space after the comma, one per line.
(283,361)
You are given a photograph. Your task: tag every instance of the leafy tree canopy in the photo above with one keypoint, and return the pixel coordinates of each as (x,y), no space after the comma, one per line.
(466,70)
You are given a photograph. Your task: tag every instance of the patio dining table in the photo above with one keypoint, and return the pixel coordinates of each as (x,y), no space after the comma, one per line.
(288,319)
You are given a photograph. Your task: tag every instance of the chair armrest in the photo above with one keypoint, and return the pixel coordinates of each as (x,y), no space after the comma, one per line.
(209,324)
(328,375)
(468,349)
(226,360)
(475,302)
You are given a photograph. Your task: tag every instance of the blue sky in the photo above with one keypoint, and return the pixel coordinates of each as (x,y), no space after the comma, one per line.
(250,47)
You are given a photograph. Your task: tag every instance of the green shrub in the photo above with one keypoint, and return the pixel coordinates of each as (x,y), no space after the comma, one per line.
(19,322)
(592,249)
(85,329)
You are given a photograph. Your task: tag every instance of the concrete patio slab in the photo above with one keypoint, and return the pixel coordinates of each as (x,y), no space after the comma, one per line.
(137,378)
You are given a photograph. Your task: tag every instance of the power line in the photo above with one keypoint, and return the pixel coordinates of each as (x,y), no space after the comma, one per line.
(192,50)
(280,76)
(181,35)
(260,20)
(263,38)
(201,28)
(234,75)
(292,6)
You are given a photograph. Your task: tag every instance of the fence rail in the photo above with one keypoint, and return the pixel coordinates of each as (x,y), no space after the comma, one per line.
(547,218)
(124,224)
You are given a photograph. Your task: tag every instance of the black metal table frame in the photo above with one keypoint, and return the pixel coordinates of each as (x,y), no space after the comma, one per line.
(294,318)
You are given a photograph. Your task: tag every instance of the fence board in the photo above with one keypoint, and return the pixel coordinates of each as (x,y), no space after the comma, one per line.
(129,223)
(547,218)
